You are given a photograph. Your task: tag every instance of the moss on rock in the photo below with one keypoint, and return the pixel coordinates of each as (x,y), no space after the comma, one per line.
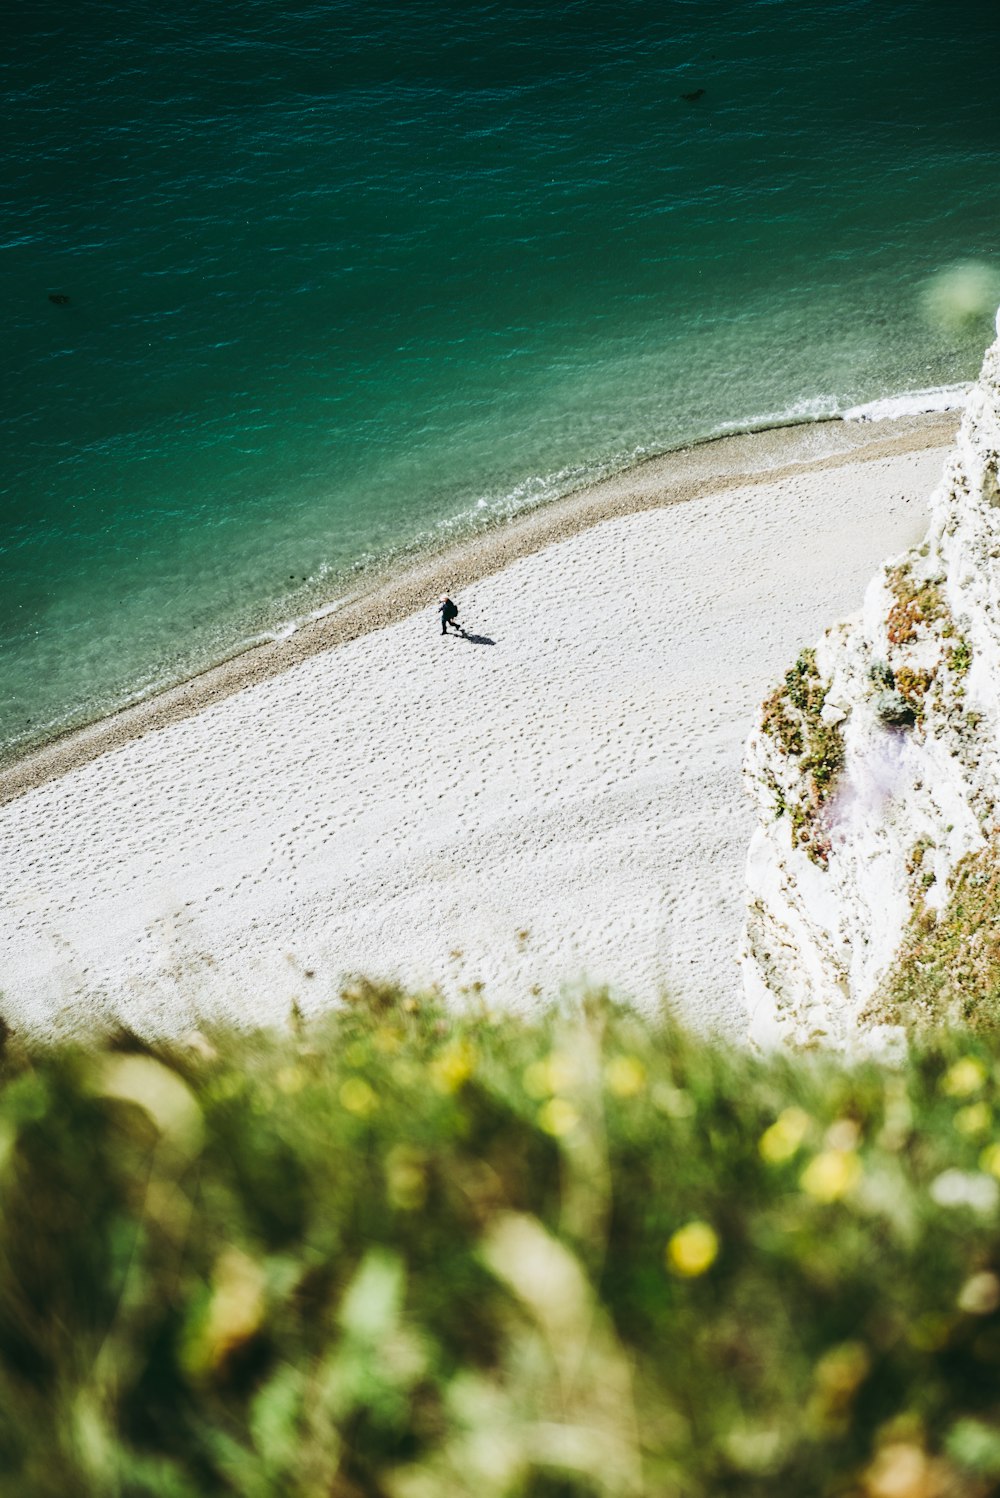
(792,718)
(948,968)
(917,605)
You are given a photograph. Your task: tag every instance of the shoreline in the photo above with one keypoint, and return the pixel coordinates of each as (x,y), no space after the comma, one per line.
(715,466)
(553,800)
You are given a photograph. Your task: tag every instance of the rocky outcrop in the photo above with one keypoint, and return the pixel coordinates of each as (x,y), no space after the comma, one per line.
(876,764)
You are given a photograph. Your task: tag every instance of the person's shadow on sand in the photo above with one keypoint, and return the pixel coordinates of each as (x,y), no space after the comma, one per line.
(478,639)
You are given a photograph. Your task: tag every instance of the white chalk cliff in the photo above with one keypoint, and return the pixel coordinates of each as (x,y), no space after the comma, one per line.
(876,765)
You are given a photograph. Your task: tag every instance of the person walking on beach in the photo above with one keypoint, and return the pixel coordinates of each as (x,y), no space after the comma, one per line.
(449,614)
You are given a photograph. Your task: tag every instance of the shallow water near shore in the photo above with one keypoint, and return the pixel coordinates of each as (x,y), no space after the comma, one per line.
(344,283)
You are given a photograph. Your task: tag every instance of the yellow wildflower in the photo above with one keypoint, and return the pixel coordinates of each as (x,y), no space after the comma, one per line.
(964,1077)
(625,1076)
(692,1250)
(357,1097)
(558,1117)
(454,1066)
(782,1139)
(830,1175)
(974,1119)
(556,1073)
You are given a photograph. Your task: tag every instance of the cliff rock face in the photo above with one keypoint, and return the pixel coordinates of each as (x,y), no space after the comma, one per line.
(876,764)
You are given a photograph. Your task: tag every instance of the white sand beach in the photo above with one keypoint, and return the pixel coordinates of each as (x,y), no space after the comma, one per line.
(556,800)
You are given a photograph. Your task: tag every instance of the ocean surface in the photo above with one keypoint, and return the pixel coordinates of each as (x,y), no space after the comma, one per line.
(337,281)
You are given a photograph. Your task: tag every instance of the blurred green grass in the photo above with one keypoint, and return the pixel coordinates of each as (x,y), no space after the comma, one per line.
(399,1252)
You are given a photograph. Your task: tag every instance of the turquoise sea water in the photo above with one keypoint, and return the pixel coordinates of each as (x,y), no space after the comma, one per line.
(345,279)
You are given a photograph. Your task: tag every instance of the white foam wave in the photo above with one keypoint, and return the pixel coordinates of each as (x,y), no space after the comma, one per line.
(911,403)
(289,627)
(811,408)
(828,408)
(531,493)
(327,608)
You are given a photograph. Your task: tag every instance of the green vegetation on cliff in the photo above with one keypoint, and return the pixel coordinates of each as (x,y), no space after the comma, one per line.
(948,968)
(396,1253)
(792,717)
